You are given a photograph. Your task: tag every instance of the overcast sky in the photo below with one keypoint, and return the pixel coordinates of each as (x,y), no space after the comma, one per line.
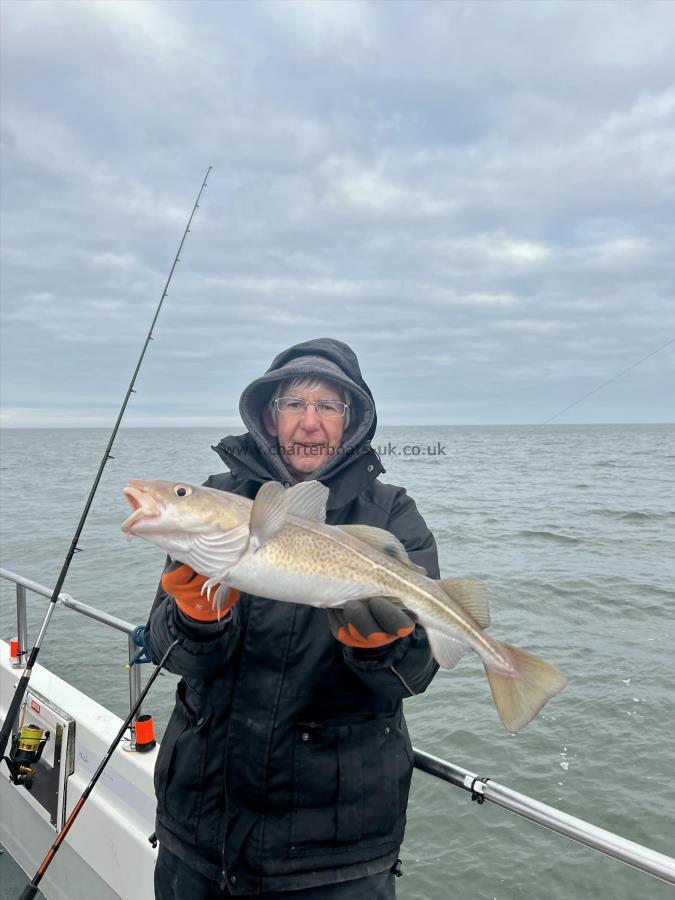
(478,197)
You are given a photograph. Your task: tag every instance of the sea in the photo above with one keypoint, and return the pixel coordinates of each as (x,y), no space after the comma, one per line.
(573,529)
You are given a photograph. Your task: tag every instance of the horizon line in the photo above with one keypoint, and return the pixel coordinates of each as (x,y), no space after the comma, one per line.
(51,427)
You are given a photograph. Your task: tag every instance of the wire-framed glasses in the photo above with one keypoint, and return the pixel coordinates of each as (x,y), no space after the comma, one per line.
(325,409)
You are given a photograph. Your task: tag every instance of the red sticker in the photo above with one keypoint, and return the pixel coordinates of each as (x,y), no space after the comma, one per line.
(35,706)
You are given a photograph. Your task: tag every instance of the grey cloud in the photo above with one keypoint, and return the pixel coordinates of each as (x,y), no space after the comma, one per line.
(479,197)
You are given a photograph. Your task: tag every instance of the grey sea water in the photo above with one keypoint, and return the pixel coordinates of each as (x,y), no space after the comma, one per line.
(573,528)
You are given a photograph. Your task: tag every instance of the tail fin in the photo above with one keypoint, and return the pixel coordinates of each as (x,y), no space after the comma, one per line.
(519,696)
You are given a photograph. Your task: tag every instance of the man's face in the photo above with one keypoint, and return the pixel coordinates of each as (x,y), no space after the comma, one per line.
(306,441)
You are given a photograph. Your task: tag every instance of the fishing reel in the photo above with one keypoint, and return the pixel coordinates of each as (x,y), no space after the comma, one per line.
(27,747)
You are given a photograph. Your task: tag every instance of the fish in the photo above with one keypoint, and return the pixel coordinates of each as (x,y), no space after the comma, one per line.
(279,546)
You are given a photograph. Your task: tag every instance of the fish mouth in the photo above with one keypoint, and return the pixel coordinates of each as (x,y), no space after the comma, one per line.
(145,507)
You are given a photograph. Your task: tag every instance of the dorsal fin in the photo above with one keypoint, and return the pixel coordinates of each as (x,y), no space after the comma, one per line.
(268,513)
(308,499)
(383,541)
(472,595)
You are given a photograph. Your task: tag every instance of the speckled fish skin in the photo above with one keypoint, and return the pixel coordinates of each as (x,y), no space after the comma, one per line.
(300,559)
(305,562)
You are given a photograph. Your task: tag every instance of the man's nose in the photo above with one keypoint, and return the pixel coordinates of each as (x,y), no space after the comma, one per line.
(310,418)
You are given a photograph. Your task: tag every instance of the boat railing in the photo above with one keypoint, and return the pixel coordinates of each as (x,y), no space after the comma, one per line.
(480,787)
(26,584)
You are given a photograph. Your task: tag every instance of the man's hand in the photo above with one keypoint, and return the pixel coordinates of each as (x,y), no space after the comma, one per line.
(185,586)
(369,623)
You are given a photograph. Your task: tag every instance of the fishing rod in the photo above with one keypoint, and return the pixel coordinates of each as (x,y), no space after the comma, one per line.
(610,380)
(19,693)
(31,889)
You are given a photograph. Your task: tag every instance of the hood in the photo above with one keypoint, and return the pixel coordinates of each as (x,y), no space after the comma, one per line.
(324,357)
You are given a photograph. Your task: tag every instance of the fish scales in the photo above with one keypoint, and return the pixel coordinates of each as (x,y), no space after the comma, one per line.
(346,555)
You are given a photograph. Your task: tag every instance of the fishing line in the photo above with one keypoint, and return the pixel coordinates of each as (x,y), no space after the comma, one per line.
(609,381)
(19,693)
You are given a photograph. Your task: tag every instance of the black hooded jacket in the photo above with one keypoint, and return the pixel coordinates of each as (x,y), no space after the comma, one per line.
(286,762)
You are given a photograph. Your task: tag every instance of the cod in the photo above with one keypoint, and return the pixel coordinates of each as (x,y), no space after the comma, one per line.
(279,546)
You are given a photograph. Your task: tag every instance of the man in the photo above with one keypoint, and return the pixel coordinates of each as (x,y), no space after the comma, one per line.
(285,768)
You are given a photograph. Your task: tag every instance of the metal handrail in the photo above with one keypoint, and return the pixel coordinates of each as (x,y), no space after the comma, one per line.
(23,584)
(481,788)
(70,602)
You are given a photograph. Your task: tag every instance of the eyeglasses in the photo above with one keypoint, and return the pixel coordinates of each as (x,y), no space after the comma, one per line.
(325,409)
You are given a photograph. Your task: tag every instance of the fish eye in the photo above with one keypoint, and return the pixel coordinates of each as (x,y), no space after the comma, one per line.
(182,490)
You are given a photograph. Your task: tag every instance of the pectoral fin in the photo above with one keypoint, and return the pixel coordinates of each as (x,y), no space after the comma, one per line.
(268,514)
(218,553)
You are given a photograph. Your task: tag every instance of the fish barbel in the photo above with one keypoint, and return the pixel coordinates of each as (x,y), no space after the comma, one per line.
(278,546)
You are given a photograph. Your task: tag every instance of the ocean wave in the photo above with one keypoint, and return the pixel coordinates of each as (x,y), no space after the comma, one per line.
(549,536)
(574,587)
(639,516)
(633,515)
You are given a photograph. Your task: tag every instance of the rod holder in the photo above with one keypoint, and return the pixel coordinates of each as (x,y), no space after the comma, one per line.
(21,625)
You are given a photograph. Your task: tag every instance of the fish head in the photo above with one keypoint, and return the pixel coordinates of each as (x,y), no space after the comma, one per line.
(172,514)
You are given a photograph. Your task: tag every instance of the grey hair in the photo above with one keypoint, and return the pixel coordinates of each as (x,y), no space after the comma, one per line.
(308,383)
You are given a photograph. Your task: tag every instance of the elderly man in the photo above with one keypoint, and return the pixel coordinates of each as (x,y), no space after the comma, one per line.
(285,768)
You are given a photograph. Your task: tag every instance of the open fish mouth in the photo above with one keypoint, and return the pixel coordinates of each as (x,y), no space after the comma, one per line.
(145,507)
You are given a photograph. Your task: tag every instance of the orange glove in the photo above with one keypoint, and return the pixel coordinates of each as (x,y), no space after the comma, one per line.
(185,586)
(370,623)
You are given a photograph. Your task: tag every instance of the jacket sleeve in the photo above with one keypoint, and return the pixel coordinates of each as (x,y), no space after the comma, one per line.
(203,649)
(405,667)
